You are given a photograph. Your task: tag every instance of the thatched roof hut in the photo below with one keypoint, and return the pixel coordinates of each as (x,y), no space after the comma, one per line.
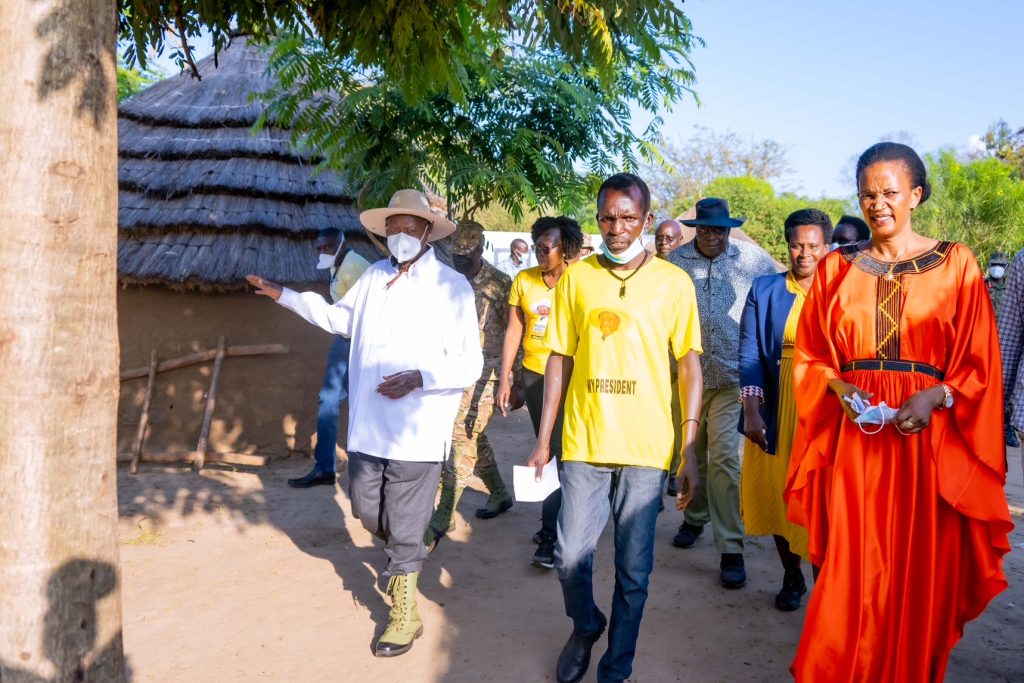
(204,201)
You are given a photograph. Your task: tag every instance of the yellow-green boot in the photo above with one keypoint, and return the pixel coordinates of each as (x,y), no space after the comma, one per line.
(404,625)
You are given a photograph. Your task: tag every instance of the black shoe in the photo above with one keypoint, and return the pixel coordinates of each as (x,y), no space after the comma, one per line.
(670,487)
(793,587)
(538,537)
(314,478)
(733,574)
(687,535)
(574,660)
(544,558)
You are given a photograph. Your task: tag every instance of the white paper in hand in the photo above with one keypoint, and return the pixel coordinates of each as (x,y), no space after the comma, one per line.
(529,491)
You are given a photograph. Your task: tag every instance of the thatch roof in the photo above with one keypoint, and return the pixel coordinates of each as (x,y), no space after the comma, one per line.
(203,201)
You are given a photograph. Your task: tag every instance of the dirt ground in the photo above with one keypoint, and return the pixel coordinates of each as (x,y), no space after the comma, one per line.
(232,576)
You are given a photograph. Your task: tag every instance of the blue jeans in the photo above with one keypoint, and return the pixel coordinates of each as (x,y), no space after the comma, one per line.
(332,393)
(589,493)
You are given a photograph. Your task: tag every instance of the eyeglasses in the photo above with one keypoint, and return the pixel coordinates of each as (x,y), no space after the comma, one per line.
(544,251)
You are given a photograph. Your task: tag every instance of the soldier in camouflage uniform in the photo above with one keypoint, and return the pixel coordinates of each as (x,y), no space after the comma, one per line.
(471,451)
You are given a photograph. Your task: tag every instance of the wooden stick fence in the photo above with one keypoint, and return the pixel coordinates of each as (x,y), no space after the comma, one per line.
(199,457)
(140,435)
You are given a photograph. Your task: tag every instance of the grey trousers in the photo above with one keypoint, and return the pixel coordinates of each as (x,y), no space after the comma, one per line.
(393,499)
(718,459)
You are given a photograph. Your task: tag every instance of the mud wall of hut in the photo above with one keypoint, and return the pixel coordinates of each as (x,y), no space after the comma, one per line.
(265,404)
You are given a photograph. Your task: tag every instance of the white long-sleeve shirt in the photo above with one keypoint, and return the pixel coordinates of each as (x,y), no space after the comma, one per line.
(426,321)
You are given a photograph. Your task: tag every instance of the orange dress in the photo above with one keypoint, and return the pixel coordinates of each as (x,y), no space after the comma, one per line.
(909,531)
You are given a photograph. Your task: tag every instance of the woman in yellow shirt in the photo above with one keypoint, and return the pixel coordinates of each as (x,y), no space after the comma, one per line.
(556,242)
(767,335)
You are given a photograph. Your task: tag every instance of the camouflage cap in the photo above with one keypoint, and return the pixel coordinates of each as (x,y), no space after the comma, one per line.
(587,243)
(999,258)
(468,237)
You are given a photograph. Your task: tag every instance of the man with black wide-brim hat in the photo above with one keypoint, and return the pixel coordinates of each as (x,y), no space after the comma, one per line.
(415,347)
(722,271)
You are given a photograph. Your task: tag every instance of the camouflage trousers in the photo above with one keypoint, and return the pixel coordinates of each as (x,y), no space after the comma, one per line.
(471,451)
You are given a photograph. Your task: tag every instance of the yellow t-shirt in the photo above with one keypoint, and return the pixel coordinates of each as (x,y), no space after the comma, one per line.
(533,296)
(344,276)
(618,409)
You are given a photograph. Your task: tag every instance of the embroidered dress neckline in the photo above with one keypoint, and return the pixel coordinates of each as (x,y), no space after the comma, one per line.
(879,268)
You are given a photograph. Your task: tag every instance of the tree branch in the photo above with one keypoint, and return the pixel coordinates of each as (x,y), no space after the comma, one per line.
(179,22)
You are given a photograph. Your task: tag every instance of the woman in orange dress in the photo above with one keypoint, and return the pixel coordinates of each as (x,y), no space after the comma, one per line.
(909,524)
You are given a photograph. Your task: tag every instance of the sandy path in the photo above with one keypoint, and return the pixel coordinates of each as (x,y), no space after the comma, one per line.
(232,576)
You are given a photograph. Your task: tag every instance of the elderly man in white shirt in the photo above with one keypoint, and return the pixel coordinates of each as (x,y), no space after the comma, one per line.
(415,347)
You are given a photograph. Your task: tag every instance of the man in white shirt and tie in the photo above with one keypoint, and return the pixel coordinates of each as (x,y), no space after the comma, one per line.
(415,347)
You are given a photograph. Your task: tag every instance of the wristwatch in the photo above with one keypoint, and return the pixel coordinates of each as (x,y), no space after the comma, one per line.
(947,399)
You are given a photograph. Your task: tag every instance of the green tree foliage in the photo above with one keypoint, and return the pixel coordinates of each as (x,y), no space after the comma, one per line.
(755,199)
(494,217)
(536,128)
(129,82)
(979,203)
(132,80)
(1005,143)
(676,180)
(425,47)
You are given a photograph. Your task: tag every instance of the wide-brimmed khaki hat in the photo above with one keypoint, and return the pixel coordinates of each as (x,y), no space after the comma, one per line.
(410,203)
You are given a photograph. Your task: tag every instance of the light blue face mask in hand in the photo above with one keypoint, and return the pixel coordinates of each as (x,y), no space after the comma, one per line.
(869,414)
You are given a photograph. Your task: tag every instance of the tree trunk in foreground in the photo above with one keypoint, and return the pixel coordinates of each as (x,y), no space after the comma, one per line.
(60,603)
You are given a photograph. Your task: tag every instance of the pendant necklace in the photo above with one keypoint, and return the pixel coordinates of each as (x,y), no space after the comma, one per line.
(892,266)
(624,280)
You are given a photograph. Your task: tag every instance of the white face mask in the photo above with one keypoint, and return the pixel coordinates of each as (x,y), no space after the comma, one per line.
(996,272)
(631,252)
(325,261)
(403,247)
(868,414)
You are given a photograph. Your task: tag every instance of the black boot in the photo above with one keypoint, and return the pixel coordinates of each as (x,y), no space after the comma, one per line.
(687,535)
(574,659)
(793,588)
(733,574)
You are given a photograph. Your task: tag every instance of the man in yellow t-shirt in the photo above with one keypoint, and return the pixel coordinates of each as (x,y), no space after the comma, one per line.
(614,321)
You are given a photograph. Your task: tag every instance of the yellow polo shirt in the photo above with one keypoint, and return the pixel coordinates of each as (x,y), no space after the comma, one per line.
(618,409)
(534,298)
